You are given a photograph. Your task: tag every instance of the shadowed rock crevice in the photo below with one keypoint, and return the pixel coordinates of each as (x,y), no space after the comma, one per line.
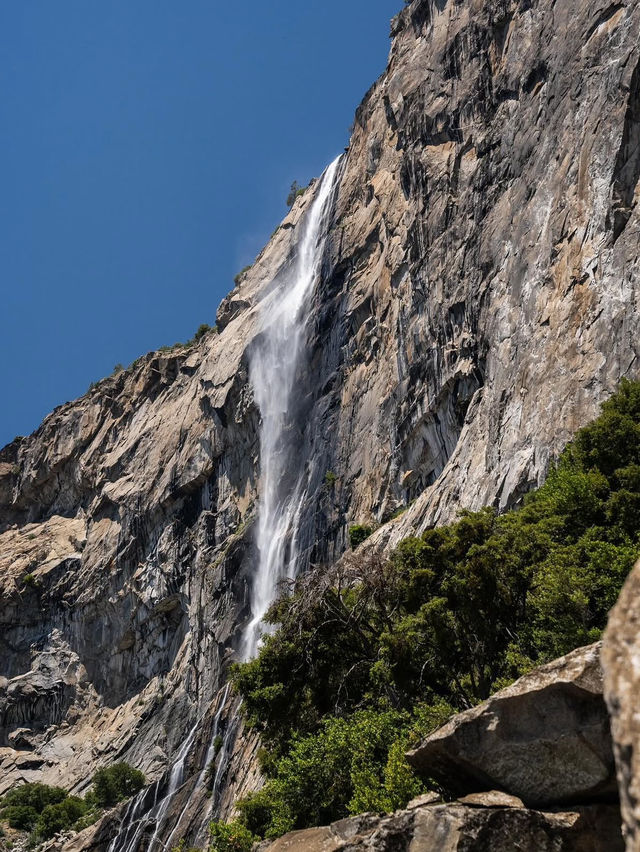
(627,167)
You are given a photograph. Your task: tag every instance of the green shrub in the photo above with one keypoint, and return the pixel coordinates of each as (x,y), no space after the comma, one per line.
(182,847)
(358,533)
(350,765)
(60,817)
(33,795)
(295,192)
(113,784)
(22,806)
(238,278)
(202,329)
(22,817)
(230,837)
(330,478)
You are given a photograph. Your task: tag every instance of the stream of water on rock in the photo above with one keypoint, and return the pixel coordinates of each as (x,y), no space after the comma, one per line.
(274,366)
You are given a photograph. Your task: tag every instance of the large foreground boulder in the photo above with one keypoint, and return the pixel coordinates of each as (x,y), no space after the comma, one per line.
(457,827)
(545,738)
(621,663)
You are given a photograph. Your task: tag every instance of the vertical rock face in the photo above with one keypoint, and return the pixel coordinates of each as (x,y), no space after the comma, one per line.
(621,662)
(478,299)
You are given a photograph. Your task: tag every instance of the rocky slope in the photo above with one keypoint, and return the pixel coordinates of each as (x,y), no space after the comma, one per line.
(478,300)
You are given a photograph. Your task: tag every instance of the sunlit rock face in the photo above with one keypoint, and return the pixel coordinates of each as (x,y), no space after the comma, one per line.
(477,300)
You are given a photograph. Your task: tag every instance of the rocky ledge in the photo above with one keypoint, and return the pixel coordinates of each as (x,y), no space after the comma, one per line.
(477,827)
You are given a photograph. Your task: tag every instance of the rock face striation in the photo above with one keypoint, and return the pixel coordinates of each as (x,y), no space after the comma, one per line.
(477,300)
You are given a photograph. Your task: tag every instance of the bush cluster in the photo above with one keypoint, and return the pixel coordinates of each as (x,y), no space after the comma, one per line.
(294,193)
(376,652)
(40,808)
(45,810)
(224,837)
(115,783)
(358,533)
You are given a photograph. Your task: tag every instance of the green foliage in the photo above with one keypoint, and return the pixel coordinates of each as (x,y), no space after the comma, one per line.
(203,329)
(113,784)
(36,796)
(238,278)
(453,615)
(350,765)
(117,369)
(31,580)
(43,808)
(230,837)
(182,847)
(21,817)
(358,533)
(295,192)
(330,478)
(60,817)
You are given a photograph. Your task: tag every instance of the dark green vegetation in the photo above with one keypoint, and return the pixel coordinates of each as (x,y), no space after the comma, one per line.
(113,784)
(224,837)
(230,837)
(238,278)
(44,810)
(358,533)
(372,655)
(295,192)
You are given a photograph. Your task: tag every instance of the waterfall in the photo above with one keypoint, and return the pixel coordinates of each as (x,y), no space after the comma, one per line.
(140,813)
(274,365)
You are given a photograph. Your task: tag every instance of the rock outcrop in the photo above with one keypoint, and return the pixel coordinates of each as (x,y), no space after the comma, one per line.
(621,661)
(464,828)
(545,738)
(478,300)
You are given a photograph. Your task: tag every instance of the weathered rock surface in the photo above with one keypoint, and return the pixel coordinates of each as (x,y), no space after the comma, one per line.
(456,827)
(479,299)
(545,738)
(621,662)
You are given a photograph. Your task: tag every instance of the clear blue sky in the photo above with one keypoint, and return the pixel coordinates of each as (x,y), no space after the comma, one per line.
(147,147)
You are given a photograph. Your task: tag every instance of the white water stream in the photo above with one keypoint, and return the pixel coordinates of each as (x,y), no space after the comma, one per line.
(273,368)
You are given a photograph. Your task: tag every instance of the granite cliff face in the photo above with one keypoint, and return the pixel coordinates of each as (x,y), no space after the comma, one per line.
(478,300)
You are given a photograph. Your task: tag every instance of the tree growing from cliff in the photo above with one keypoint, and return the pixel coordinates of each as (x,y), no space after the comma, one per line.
(113,784)
(295,192)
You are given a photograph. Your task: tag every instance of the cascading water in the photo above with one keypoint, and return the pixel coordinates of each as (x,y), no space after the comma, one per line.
(141,812)
(273,368)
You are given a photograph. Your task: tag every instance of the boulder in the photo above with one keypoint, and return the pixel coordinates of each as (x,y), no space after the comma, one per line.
(621,663)
(544,739)
(456,827)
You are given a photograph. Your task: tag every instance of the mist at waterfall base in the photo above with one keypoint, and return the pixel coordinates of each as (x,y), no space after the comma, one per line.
(275,366)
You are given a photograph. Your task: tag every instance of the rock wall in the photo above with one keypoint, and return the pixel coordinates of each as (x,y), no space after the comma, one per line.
(478,300)
(621,662)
